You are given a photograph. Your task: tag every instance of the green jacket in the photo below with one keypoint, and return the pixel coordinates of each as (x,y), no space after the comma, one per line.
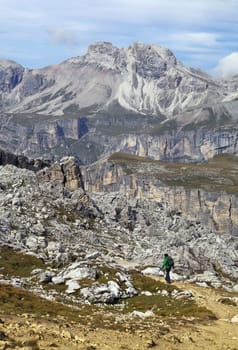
(167,263)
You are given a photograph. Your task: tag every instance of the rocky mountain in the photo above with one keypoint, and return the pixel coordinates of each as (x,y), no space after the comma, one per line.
(145,79)
(140,100)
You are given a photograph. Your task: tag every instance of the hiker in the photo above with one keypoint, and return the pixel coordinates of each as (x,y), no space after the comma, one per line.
(167,265)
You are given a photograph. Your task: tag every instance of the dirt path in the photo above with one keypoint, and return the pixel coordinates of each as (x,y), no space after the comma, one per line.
(221,334)
(28,333)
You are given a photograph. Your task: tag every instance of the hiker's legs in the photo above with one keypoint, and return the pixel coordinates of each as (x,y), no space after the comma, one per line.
(167,276)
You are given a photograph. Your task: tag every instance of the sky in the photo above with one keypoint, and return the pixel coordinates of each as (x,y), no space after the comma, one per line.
(201,33)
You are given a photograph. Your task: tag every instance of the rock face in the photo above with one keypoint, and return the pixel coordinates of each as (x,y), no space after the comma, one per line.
(66,172)
(39,136)
(214,209)
(53,139)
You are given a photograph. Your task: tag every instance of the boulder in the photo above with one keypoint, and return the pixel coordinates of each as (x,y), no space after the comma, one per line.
(76,271)
(102,293)
(72,286)
(46,276)
(153,271)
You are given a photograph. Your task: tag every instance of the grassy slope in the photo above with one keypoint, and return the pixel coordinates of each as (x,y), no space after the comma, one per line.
(15,301)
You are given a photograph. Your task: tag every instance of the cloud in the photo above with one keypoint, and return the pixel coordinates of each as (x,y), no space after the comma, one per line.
(227,66)
(186,27)
(195,39)
(62,37)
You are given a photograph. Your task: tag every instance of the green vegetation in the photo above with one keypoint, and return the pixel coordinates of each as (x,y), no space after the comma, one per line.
(162,305)
(120,157)
(165,306)
(106,273)
(145,283)
(18,301)
(14,263)
(15,301)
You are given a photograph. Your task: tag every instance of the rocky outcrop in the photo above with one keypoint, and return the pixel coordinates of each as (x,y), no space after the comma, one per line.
(11,75)
(174,145)
(66,172)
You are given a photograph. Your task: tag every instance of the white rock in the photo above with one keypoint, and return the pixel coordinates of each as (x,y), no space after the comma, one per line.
(164,292)
(92,256)
(35,243)
(80,272)
(137,314)
(153,271)
(58,280)
(175,277)
(114,288)
(46,276)
(146,293)
(235,288)
(202,284)
(72,286)
(234,319)
(122,276)
(142,314)
(54,246)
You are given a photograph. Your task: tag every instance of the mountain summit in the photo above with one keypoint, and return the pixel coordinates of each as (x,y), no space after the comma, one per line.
(146,79)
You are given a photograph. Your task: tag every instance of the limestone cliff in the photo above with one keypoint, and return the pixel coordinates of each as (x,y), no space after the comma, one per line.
(89,139)
(200,194)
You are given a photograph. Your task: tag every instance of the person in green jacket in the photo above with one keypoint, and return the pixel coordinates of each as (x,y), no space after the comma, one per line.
(167,265)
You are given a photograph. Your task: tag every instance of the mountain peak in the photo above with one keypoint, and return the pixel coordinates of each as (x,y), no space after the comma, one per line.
(152,50)
(101,47)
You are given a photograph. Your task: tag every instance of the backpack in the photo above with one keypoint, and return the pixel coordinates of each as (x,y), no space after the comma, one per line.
(170,262)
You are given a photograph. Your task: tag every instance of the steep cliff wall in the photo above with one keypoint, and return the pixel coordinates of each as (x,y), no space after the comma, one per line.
(176,145)
(39,135)
(91,138)
(217,210)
